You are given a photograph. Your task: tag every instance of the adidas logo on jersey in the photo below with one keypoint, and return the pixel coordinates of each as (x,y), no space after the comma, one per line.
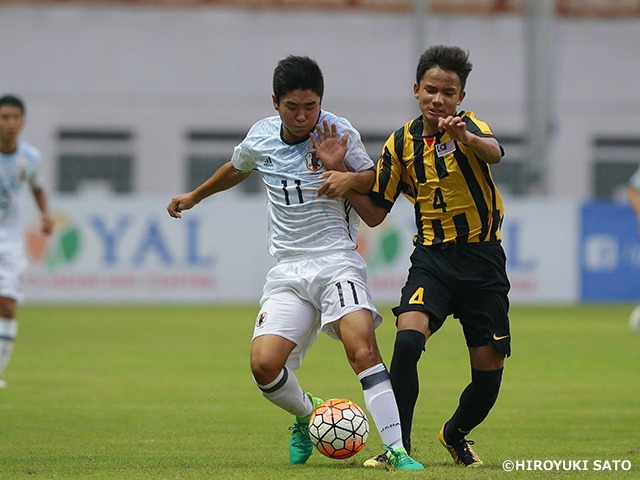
(268,162)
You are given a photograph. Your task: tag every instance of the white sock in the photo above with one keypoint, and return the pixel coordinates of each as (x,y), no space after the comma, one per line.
(381,403)
(8,334)
(285,392)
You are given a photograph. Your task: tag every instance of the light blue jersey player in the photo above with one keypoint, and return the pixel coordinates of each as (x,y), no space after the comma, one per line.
(18,170)
(19,166)
(319,282)
(301,222)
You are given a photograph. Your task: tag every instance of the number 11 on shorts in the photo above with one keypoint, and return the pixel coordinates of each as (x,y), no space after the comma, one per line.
(341,293)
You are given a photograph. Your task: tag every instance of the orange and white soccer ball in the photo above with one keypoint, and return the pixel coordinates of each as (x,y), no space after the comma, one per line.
(339,428)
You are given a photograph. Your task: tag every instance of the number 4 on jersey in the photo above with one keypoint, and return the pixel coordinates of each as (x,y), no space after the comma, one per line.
(438,200)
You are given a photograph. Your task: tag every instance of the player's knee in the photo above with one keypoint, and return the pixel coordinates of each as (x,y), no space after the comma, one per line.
(487,382)
(264,369)
(363,356)
(409,346)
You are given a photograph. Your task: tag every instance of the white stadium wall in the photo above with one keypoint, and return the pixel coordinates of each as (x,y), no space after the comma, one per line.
(118,249)
(160,73)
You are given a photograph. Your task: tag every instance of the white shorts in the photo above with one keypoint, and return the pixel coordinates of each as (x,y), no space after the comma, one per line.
(304,296)
(13,264)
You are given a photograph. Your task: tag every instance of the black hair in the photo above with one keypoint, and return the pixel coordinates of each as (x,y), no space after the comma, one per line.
(297,73)
(12,100)
(447,58)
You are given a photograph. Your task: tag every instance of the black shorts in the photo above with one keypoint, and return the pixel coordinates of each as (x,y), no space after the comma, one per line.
(466,280)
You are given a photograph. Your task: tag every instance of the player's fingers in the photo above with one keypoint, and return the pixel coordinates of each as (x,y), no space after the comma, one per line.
(334,131)
(174,209)
(327,129)
(345,138)
(314,141)
(319,133)
(323,189)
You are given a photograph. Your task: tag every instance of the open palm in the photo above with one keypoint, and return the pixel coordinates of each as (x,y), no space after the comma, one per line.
(330,148)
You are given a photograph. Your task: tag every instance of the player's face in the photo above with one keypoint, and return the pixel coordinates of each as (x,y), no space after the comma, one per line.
(439,94)
(11,121)
(299,111)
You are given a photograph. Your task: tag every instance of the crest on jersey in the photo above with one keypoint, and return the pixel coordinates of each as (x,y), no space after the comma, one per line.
(313,161)
(262,319)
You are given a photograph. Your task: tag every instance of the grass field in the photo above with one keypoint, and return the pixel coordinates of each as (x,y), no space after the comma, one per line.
(165,392)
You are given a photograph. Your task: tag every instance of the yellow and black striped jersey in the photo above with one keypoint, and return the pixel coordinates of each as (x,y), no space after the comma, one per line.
(454,196)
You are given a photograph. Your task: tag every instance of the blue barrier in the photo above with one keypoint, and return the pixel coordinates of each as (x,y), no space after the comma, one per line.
(609,252)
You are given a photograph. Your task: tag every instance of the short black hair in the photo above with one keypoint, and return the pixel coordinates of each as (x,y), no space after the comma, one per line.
(452,59)
(12,100)
(297,73)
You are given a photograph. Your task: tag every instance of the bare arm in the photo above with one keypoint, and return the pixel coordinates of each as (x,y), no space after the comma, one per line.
(223,179)
(370,213)
(338,184)
(485,148)
(41,200)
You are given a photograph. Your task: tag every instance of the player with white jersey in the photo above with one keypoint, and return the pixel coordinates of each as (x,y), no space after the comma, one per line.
(301,222)
(319,282)
(19,167)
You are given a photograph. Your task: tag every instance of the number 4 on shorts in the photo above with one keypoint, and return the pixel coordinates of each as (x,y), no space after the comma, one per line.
(417,297)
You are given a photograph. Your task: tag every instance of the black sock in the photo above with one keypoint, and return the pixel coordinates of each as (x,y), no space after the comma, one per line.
(404,377)
(475,404)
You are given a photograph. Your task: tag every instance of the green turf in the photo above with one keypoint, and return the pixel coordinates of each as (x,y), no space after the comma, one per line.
(166,392)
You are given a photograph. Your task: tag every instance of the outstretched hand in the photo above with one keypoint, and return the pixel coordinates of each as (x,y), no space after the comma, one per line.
(329,147)
(455,127)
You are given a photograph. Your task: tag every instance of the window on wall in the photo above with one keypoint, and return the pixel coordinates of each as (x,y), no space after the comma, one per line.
(92,160)
(208,150)
(616,159)
(510,175)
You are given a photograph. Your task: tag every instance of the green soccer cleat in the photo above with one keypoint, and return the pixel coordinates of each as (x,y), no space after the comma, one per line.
(300,446)
(461,452)
(395,459)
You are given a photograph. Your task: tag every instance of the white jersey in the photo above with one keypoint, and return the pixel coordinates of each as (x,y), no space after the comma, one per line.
(299,221)
(635,180)
(17,169)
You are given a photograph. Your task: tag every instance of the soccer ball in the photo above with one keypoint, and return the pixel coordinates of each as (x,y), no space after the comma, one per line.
(339,428)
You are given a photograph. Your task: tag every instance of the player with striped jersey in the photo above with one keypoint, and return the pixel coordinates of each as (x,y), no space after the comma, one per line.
(319,281)
(19,168)
(441,162)
(453,193)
